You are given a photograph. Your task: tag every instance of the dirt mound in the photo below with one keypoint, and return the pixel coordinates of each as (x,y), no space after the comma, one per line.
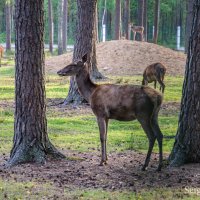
(125,57)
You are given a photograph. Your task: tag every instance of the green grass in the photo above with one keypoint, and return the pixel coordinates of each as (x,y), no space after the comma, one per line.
(80,133)
(32,190)
(25,190)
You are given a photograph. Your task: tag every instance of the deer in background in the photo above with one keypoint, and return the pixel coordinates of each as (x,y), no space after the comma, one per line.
(120,102)
(153,73)
(137,29)
(1,53)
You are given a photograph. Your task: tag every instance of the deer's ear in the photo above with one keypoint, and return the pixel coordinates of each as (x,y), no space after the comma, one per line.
(84,58)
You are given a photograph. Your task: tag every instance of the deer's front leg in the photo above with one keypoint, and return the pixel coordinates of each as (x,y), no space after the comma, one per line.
(102,123)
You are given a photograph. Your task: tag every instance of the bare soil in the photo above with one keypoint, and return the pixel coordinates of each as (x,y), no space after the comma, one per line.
(82,170)
(126,57)
(123,172)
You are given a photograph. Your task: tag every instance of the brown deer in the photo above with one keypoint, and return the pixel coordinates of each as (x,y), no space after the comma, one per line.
(120,102)
(155,72)
(137,29)
(1,54)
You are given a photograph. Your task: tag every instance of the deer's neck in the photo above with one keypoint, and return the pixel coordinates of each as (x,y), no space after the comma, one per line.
(85,85)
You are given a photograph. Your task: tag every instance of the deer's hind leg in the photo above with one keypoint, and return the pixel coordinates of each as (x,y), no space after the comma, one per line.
(146,125)
(159,137)
(162,86)
(155,84)
(103,124)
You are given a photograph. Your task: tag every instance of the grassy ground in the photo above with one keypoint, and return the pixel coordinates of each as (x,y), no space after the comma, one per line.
(80,133)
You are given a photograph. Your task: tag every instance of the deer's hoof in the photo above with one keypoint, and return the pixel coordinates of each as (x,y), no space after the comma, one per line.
(159,168)
(144,168)
(103,163)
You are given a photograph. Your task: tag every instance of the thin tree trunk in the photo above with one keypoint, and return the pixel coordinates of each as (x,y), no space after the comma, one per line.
(94,72)
(126,18)
(60,32)
(31,143)
(8,26)
(50,26)
(188,26)
(97,25)
(104,19)
(145,20)
(186,147)
(117,19)
(141,15)
(64,28)
(156,21)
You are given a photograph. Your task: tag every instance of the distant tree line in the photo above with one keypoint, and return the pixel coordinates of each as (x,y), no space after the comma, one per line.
(61,19)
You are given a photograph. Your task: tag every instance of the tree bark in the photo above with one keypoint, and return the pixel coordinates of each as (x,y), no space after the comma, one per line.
(145,20)
(50,26)
(189,8)
(8,25)
(140,15)
(60,32)
(85,43)
(31,143)
(186,147)
(156,21)
(64,28)
(117,19)
(97,25)
(126,18)
(94,72)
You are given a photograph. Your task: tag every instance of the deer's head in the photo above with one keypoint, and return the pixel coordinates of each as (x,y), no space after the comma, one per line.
(73,68)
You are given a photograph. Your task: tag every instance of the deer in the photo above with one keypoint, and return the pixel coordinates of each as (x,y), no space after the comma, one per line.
(1,53)
(119,102)
(153,73)
(137,29)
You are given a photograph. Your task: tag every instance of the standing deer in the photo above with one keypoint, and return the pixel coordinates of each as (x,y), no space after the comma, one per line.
(1,54)
(137,29)
(120,102)
(155,72)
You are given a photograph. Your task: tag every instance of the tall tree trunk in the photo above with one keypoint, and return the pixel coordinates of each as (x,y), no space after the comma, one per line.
(97,25)
(145,20)
(126,18)
(156,21)
(117,19)
(109,25)
(94,72)
(188,26)
(64,28)
(60,32)
(104,20)
(50,12)
(8,25)
(85,38)
(186,147)
(140,15)
(31,143)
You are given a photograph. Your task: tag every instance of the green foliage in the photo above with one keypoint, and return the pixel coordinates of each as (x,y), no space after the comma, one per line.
(169,17)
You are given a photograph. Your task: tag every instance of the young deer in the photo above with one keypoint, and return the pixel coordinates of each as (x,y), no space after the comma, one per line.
(155,72)
(1,53)
(120,102)
(137,29)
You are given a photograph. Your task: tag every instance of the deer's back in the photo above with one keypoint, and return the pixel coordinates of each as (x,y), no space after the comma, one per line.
(123,102)
(154,71)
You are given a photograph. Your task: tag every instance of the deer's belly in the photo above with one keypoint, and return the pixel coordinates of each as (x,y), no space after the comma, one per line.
(121,116)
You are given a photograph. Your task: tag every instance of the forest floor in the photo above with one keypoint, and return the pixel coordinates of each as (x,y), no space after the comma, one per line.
(123,173)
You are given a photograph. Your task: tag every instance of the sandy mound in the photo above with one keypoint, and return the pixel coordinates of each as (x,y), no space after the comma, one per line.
(125,57)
